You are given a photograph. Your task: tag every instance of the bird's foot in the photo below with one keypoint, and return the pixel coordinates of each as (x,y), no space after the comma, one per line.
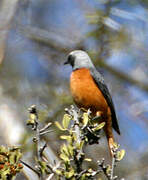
(113,146)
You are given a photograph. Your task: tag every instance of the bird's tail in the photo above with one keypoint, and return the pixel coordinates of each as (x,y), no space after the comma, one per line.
(109,134)
(108,131)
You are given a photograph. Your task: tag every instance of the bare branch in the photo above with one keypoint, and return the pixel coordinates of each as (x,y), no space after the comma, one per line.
(43,36)
(28,166)
(122,76)
(7,11)
(46,37)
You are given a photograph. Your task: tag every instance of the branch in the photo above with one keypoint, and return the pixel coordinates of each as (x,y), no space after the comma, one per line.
(122,76)
(43,36)
(31,168)
(7,11)
(33,113)
(34,122)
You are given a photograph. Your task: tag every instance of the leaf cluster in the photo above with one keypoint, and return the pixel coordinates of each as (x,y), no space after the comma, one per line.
(9,162)
(78,130)
(81,130)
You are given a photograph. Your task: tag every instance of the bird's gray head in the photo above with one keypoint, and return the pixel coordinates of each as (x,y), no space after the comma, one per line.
(79,59)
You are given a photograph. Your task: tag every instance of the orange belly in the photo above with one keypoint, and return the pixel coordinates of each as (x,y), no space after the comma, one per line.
(86,93)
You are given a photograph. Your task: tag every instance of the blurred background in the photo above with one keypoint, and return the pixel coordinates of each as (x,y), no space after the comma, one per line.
(35,38)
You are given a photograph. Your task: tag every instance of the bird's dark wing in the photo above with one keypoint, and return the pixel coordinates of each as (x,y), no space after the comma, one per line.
(100,83)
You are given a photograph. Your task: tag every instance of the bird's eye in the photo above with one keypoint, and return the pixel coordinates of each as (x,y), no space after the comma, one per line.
(71,59)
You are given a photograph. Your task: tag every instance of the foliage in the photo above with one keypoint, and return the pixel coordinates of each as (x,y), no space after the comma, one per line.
(9,162)
(79,130)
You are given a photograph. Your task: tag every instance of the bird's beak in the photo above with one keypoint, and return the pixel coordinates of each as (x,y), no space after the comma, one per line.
(66,62)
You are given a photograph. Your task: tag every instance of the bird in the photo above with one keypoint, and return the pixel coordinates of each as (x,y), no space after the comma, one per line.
(89,91)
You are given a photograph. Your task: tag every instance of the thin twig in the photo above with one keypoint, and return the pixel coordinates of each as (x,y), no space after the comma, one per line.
(37,133)
(45,132)
(81,173)
(75,116)
(112,168)
(50,176)
(27,165)
(42,149)
(45,128)
(38,142)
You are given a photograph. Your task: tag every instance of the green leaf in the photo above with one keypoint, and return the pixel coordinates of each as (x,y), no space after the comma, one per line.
(43,166)
(74,137)
(4,174)
(100,126)
(88,159)
(32,119)
(70,150)
(120,154)
(30,122)
(58,172)
(68,138)
(64,157)
(70,173)
(59,126)
(66,120)
(81,144)
(17,152)
(78,145)
(85,119)
(12,157)
(83,177)
(64,150)
(4,150)
(89,172)
(108,169)
(18,156)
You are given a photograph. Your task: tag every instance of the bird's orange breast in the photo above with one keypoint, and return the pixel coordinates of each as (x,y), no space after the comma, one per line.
(85,91)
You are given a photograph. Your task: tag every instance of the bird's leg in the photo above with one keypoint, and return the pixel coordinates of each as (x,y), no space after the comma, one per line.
(111,145)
